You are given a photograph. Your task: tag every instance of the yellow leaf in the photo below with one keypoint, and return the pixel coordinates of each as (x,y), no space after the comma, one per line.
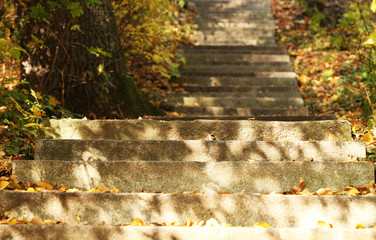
(3,185)
(35,94)
(367,137)
(114,190)
(324,225)
(137,222)
(373,6)
(103,188)
(30,189)
(78,219)
(262,225)
(30,125)
(47,221)
(93,190)
(46,185)
(188,223)
(223,192)
(359,226)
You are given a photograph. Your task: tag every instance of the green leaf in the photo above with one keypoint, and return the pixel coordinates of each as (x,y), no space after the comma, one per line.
(15,53)
(4,44)
(76,9)
(38,12)
(18,48)
(75,27)
(52,4)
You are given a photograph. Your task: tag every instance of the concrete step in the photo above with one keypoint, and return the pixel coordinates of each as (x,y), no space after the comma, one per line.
(235,89)
(181,151)
(232,59)
(247,81)
(67,232)
(209,177)
(214,41)
(241,33)
(280,211)
(241,102)
(221,25)
(220,111)
(263,75)
(283,94)
(237,69)
(234,49)
(332,130)
(253,117)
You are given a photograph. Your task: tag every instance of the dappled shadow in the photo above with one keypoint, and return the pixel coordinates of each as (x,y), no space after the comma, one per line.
(237,209)
(250,130)
(233,23)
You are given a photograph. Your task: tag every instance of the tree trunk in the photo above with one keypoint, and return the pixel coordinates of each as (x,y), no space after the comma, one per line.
(88,83)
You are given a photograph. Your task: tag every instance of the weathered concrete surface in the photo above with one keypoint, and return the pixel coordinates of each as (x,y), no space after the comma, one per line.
(233,94)
(243,102)
(236,58)
(68,232)
(234,49)
(196,150)
(217,111)
(195,89)
(254,177)
(237,209)
(330,130)
(239,80)
(260,118)
(236,69)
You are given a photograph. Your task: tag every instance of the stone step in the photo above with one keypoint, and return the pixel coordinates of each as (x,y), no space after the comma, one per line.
(217,25)
(247,81)
(241,33)
(253,117)
(220,111)
(209,177)
(232,59)
(74,231)
(237,69)
(262,75)
(235,89)
(234,41)
(251,130)
(241,102)
(181,151)
(283,94)
(234,49)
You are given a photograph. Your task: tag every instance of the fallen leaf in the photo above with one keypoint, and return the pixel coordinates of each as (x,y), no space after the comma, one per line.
(223,192)
(261,225)
(359,226)
(301,184)
(212,223)
(137,222)
(367,137)
(324,225)
(46,185)
(36,221)
(3,185)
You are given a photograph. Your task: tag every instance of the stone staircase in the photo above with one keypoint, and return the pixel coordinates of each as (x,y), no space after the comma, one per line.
(245,132)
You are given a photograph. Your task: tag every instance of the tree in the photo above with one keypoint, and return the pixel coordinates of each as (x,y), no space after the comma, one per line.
(75,55)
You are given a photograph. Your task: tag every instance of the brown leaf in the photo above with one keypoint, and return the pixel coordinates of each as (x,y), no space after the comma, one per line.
(301,184)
